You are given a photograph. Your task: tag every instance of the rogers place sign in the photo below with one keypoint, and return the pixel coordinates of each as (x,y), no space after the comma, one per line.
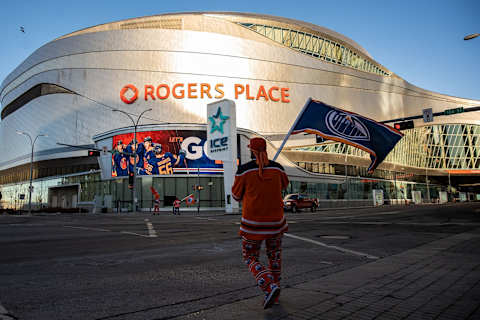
(130,93)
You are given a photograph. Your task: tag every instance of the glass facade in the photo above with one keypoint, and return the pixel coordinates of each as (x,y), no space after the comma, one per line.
(91,186)
(360,189)
(445,146)
(353,190)
(318,47)
(449,146)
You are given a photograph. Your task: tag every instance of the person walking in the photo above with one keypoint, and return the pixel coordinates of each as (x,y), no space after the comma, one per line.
(156,206)
(258,185)
(176,206)
(156,202)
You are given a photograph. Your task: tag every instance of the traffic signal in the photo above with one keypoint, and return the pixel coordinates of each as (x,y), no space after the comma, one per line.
(93,153)
(404,125)
(130,180)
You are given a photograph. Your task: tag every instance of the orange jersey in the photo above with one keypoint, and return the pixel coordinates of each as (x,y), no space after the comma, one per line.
(262,211)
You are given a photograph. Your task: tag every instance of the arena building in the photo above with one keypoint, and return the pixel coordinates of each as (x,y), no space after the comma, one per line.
(175,64)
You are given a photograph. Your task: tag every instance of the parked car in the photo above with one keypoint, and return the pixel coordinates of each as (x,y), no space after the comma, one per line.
(296,201)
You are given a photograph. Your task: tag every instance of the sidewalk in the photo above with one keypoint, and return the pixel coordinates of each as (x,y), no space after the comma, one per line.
(439,280)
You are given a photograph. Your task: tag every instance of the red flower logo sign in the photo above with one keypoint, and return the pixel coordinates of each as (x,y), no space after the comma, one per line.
(132,98)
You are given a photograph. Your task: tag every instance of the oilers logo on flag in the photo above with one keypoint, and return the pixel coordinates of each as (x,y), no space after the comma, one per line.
(190,200)
(346,126)
(335,124)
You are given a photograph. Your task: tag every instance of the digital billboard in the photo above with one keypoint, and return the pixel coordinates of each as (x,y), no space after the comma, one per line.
(163,152)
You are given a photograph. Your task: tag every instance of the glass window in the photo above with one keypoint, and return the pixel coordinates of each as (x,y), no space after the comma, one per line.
(170,188)
(181,190)
(286,37)
(147,195)
(326,50)
(301,40)
(313,45)
(308,43)
(278,35)
(294,39)
(269,32)
(321,44)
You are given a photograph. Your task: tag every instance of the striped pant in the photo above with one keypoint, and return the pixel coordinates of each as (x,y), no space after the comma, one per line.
(263,276)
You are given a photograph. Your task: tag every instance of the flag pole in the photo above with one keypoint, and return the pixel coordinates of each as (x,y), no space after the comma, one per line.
(291,129)
(186,197)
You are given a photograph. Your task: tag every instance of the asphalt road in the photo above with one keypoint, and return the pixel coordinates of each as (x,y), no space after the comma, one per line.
(161,267)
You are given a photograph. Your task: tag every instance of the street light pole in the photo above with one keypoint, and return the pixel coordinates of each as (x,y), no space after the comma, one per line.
(31,166)
(346,174)
(135,124)
(428,189)
(395,182)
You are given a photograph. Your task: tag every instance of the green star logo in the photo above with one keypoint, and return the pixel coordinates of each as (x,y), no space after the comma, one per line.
(218,117)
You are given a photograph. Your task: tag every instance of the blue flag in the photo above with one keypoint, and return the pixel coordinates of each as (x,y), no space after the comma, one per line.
(335,124)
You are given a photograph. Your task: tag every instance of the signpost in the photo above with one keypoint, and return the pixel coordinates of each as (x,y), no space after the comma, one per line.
(222,144)
(453,111)
(377,197)
(427,115)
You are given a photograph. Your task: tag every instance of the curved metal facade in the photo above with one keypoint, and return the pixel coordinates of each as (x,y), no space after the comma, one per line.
(189,53)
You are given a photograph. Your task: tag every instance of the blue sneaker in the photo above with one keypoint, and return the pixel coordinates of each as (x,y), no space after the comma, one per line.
(271,297)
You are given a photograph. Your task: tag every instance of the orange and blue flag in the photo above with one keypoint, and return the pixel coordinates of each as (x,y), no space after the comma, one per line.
(335,124)
(189,200)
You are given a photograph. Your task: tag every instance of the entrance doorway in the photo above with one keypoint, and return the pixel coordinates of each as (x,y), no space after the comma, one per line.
(64,196)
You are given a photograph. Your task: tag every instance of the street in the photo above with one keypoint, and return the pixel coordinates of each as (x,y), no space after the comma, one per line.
(139,266)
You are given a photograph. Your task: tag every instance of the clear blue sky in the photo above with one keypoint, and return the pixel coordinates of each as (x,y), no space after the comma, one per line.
(420,40)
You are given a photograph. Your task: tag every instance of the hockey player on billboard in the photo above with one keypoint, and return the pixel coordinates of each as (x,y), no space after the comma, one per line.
(149,151)
(162,163)
(179,150)
(120,160)
(139,150)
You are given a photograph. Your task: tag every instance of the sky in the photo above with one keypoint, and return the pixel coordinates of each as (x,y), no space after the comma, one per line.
(419,40)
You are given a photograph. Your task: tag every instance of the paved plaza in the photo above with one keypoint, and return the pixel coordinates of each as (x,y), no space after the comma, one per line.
(439,280)
(398,262)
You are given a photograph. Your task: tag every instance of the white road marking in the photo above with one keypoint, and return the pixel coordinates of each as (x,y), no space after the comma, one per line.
(206,219)
(357,253)
(361,215)
(151,231)
(27,224)
(135,234)
(4,314)
(88,228)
